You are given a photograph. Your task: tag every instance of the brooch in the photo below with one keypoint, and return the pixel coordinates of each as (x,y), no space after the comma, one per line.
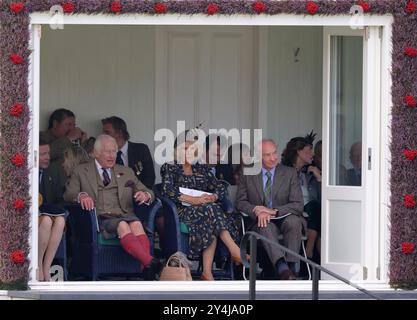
(138,168)
(120,174)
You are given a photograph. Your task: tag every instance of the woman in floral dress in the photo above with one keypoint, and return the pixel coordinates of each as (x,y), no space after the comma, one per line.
(203,215)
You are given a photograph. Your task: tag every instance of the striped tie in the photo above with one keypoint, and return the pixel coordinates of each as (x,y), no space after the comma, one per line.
(267,191)
(106,178)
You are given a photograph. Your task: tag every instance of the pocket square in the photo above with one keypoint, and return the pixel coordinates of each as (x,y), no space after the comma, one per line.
(129,184)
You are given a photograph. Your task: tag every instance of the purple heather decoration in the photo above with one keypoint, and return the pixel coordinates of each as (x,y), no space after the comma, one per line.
(14,38)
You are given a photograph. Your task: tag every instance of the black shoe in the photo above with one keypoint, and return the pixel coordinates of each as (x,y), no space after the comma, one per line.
(151,271)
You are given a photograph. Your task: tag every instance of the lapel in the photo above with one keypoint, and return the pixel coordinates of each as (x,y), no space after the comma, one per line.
(44,187)
(118,176)
(130,155)
(92,177)
(259,185)
(278,181)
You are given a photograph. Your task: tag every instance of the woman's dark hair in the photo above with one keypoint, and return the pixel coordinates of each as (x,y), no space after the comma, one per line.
(118,124)
(88,144)
(290,153)
(59,115)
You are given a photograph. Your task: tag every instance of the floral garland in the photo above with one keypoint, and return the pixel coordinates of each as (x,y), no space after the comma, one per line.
(14,170)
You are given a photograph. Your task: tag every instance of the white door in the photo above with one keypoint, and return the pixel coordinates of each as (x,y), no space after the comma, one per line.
(204,74)
(351,90)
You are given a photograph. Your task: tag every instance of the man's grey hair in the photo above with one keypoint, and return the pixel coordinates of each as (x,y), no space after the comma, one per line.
(265,140)
(269,140)
(100,139)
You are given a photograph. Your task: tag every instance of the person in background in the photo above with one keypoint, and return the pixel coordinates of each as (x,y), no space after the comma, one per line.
(134,155)
(299,154)
(51,212)
(354,175)
(214,155)
(242,152)
(62,133)
(88,146)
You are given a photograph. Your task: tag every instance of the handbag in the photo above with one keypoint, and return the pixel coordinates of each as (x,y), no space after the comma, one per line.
(176,269)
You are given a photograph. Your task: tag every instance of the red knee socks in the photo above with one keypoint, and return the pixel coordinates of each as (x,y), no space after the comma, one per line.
(134,247)
(144,240)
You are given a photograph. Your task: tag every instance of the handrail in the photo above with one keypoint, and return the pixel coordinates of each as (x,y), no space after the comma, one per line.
(253,237)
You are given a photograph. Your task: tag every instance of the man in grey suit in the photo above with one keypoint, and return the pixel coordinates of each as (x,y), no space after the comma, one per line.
(274,192)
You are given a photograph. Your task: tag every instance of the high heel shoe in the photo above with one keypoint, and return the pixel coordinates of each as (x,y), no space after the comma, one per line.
(238,261)
(204,278)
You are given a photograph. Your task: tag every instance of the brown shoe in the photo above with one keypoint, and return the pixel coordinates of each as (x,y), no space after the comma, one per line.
(287,275)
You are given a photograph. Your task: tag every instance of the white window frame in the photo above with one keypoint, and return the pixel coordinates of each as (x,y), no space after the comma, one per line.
(384,21)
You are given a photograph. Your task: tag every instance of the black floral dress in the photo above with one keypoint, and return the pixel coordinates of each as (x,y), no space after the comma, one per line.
(204,222)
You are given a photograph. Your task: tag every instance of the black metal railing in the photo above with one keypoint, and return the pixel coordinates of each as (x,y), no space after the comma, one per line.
(253,237)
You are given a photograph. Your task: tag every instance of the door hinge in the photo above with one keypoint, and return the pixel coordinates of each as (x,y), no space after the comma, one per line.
(369,158)
(365,273)
(380,32)
(378,273)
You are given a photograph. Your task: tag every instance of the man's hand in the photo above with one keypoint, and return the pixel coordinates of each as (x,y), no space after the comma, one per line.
(261,209)
(263,219)
(141,197)
(86,202)
(315,171)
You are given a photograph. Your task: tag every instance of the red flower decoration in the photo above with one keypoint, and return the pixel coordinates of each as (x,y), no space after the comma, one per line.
(68,7)
(16,58)
(407,247)
(19,204)
(18,160)
(17,7)
(410,154)
(312,7)
(160,8)
(17,256)
(411,6)
(115,7)
(259,7)
(409,201)
(365,6)
(411,52)
(16,110)
(212,8)
(410,101)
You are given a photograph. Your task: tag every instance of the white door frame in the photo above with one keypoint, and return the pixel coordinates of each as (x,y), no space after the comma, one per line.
(368,193)
(384,21)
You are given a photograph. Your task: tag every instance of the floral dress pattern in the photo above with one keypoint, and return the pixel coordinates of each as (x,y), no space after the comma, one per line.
(204,222)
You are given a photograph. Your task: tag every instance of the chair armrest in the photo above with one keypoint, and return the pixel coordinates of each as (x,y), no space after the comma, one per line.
(171,223)
(151,212)
(83,224)
(244,214)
